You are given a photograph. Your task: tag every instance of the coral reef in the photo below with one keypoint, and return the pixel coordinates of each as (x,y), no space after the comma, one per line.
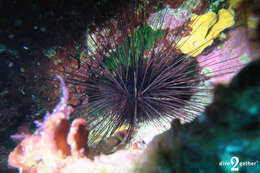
(60,146)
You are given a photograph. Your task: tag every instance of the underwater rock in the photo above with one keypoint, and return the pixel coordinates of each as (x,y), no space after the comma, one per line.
(227,134)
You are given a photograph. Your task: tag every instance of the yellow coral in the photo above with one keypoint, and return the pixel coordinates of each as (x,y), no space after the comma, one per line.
(205,29)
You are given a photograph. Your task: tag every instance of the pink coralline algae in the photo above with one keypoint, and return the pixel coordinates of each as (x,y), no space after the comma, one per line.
(60,147)
(225,61)
(169,18)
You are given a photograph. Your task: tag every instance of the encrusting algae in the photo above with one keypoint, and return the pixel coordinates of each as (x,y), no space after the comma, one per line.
(205,29)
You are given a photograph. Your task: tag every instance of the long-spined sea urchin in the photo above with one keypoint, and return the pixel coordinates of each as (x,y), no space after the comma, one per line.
(139,75)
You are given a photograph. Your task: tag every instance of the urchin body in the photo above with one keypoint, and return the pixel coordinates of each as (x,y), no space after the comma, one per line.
(139,89)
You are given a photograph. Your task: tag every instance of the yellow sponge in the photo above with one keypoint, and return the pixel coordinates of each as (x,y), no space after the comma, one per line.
(205,29)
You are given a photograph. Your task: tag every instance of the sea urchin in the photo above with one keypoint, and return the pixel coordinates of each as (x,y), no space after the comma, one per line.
(140,75)
(142,80)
